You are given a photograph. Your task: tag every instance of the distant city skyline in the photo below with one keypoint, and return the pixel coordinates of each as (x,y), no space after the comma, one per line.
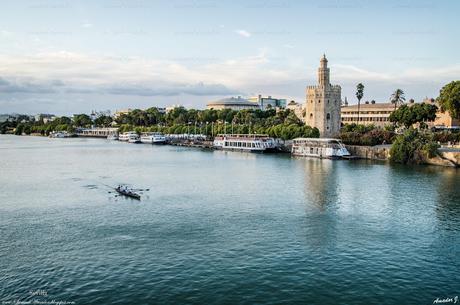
(69,57)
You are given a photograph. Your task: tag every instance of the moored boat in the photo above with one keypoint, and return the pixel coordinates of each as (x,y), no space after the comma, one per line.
(131,137)
(245,142)
(134,138)
(153,138)
(60,134)
(319,148)
(112,136)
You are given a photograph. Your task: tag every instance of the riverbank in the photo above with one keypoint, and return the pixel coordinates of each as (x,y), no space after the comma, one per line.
(446,156)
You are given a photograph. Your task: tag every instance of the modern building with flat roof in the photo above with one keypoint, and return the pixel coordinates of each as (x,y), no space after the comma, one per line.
(234,103)
(268,102)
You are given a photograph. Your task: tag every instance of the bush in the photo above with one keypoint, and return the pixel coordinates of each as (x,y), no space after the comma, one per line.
(369,137)
(413,147)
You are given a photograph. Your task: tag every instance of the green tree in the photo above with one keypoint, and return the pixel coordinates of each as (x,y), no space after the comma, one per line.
(82,120)
(359,95)
(397,98)
(103,121)
(416,113)
(449,99)
(64,120)
(412,147)
(19,129)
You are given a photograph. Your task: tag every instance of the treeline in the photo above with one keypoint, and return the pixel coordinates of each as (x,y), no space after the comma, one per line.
(408,115)
(282,131)
(180,115)
(283,124)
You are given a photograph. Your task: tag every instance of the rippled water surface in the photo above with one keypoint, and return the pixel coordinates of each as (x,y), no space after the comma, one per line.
(221,228)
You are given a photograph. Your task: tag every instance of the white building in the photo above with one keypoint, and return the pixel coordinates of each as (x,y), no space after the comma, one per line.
(234,103)
(268,102)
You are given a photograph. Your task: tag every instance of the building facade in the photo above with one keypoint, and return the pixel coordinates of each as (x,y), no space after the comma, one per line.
(443,119)
(378,114)
(268,102)
(234,103)
(370,113)
(298,109)
(323,103)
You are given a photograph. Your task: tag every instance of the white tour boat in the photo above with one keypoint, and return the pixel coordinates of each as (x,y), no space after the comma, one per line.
(245,142)
(153,138)
(125,135)
(319,148)
(131,137)
(60,134)
(112,136)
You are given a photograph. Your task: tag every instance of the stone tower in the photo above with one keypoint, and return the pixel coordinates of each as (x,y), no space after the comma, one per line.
(323,104)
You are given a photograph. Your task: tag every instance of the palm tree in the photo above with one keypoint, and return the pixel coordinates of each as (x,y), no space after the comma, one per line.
(359,95)
(398,98)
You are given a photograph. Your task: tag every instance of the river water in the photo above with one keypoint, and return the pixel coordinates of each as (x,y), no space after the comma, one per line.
(221,227)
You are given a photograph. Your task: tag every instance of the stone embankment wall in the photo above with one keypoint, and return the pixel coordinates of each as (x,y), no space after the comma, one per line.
(446,157)
(379,152)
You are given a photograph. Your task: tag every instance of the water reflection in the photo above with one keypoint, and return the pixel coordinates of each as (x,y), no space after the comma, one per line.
(320,186)
(448,201)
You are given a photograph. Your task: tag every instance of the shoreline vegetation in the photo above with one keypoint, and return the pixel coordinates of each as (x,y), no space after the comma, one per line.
(409,145)
(412,142)
(283,124)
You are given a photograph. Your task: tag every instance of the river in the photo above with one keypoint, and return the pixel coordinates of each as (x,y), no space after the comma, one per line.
(221,227)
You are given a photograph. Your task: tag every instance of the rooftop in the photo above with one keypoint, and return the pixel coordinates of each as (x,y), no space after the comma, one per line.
(232,101)
(369,106)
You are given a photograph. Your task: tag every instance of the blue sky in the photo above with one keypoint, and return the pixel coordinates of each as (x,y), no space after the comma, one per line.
(75,56)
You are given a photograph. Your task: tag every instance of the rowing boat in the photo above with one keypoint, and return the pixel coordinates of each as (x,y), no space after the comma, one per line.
(123,190)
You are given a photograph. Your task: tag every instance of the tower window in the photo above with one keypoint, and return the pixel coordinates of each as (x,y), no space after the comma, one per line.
(328,116)
(328,101)
(319,101)
(311,115)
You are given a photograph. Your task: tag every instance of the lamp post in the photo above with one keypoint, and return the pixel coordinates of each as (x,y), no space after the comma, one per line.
(212,129)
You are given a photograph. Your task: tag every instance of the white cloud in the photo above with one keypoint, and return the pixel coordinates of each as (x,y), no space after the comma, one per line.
(243,33)
(69,72)
(87,25)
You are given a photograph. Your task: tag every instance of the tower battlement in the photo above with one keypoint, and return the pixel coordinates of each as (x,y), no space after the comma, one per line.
(323,102)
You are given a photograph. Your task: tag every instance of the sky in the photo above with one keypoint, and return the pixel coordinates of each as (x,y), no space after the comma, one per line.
(67,57)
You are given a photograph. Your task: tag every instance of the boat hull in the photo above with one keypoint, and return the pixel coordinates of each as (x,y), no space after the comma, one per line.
(130,195)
